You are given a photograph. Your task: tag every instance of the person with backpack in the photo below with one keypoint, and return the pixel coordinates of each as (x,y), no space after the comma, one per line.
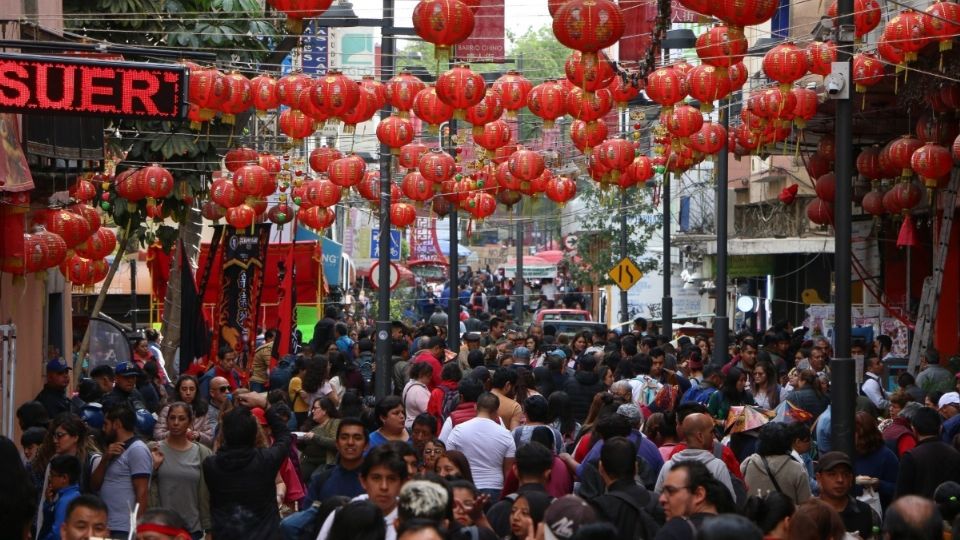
(626,504)
(709,384)
(445,396)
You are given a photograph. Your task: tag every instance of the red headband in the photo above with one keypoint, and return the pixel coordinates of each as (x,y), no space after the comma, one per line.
(163,529)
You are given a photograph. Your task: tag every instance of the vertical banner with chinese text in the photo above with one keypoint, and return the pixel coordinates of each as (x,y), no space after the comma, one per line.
(244,254)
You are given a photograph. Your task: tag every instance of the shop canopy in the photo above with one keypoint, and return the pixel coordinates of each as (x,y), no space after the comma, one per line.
(534,267)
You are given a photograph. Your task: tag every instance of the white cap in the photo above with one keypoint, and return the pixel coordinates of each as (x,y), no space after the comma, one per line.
(950,398)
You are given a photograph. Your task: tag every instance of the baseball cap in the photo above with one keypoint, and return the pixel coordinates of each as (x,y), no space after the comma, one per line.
(831,460)
(260,415)
(58,365)
(125,369)
(558,353)
(471,336)
(521,352)
(950,398)
(631,412)
(565,516)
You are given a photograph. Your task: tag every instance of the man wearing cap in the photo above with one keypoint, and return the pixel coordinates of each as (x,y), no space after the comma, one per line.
(949,407)
(931,461)
(125,388)
(565,516)
(54,394)
(471,342)
(835,476)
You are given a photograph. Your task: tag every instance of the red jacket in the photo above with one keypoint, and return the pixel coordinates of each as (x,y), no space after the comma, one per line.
(463,412)
(435,404)
(428,357)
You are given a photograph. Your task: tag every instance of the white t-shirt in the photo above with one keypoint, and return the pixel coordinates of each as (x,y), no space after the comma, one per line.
(486,444)
(387,521)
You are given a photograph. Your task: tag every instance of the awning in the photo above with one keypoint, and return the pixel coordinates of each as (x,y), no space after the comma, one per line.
(533,268)
(553,256)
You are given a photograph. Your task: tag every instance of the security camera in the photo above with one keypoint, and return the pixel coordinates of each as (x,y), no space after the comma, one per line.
(836,81)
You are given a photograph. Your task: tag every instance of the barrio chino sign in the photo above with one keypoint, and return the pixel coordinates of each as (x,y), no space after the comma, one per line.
(65,85)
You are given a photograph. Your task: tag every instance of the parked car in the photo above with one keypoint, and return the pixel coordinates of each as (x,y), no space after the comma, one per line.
(581,315)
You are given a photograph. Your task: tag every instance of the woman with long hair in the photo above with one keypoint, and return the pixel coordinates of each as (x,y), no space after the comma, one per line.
(178,482)
(766,389)
(873,458)
(185,391)
(732,393)
(772,469)
(580,343)
(808,395)
(316,381)
(453,464)
(416,393)
(318,446)
(773,514)
(661,428)
(526,514)
(563,420)
(391,418)
(536,354)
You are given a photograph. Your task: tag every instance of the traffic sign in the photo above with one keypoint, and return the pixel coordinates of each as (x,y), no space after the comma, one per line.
(394,244)
(625,274)
(375,275)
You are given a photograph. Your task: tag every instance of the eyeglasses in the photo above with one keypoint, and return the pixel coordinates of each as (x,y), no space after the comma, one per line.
(432,451)
(673,490)
(60,434)
(223,389)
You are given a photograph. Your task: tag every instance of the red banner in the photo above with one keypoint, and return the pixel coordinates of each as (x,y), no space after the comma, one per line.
(14,172)
(486,41)
(640,17)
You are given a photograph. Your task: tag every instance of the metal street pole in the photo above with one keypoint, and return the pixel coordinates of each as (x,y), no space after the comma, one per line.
(382,380)
(666,306)
(518,306)
(133,292)
(721,324)
(624,312)
(842,388)
(453,313)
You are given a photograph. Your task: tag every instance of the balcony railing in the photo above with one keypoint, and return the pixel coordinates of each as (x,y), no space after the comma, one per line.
(773,219)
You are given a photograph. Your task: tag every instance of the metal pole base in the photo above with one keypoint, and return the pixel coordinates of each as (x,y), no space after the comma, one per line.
(843,403)
(666,317)
(721,342)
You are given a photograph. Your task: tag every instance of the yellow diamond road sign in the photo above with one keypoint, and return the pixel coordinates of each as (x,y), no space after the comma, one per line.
(625,274)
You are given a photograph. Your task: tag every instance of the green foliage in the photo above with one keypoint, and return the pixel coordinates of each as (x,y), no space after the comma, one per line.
(234,30)
(598,242)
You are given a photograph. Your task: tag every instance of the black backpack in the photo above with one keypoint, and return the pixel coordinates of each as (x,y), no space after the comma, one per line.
(280,375)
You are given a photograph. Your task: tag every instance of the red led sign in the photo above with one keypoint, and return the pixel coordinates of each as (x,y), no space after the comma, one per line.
(92,88)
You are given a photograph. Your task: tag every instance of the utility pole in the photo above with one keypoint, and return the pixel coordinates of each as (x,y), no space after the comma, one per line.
(133,291)
(721,324)
(624,312)
(842,388)
(382,380)
(666,305)
(453,313)
(518,306)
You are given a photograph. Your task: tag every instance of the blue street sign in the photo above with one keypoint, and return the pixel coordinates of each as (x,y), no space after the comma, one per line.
(394,244)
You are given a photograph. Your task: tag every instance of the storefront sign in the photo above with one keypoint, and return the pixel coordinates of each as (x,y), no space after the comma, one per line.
(91,87)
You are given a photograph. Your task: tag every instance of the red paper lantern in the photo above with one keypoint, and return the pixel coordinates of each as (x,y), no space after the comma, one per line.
(940,129)
(335,94)
(367,106)
(101,243)
(868,163)
(415,187)
(708,140)
(461,88)
(512,89)
(402,89)
(906,33)
(785,63)
(806,105)
(269,162)
(378,88)
(722,46)
(410,154)
(641,169)
(737,74)
(402,215)
(88,213)
(488,110)
(241,217)
(503,153)
(866,15)
(482,205)
(322,157)
(157,182)
(251,180)
(890,53)
(53,250)
(208,90)
(746,12)
(347,171)
(707,84)
(317,218)
(589,106)
(437,166)
(623,91)
(901,152)
(931,162)
(590,72)
(281,214)
(77,269)
(494,135)
(395,132)
(238,157)
(225,193)
(942,23)
(526,164)
(820,56)
(294,89)
(73,228)
(264,92)
(588,25)
(906,195)
(83,190)
(428,107)
(212,211)
(684,121)
(664,87)
(873,203)
(298,10)
(506,180)
(327,193)
(867,71)
(296,125)
(508,198)
(887,166)
(826,187)
(586,135)
(546,100)
(615,155)
(443,23)
(820,212)
(561,190)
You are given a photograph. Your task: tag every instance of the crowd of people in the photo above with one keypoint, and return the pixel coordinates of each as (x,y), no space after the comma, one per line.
(522,434)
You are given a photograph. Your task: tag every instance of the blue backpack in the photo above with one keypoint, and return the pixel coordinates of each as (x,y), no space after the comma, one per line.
(698,394)
(281,374)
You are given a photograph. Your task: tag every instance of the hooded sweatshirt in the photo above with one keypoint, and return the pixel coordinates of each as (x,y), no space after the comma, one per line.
(716,467)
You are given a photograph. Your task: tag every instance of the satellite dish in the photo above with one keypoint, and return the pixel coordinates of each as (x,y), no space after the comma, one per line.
(747,304)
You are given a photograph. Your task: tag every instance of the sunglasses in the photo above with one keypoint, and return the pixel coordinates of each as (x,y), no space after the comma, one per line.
(60,434)
(223,389)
